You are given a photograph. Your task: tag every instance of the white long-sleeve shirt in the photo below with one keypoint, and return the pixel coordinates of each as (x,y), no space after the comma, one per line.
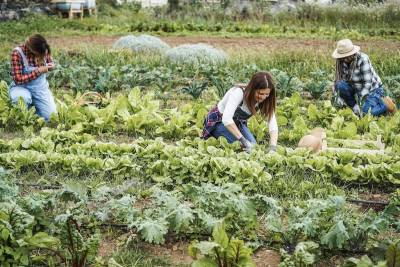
(231,101)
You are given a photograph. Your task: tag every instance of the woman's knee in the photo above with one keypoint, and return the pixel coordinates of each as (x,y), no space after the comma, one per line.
(20,92)
(221,130)
(45,108)
(375,106)
(343,87)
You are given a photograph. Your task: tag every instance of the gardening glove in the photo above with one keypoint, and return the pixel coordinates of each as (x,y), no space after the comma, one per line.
(357,110)
(246,144)
(272,149)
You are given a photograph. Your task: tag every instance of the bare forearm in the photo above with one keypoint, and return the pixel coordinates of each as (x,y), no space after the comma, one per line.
(233,129)
(273,138)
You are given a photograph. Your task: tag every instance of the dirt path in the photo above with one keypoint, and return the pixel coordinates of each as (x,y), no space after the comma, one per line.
(252,43)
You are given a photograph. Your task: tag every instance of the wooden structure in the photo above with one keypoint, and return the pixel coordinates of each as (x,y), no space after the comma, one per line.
(69,7)
(379,147)
(90,7)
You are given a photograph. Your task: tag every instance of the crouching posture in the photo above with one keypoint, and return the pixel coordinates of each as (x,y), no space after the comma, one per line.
(229,117)
(355,76)
(29,64)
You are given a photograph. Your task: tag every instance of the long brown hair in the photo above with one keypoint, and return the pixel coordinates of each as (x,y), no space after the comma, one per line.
(38,46)
(339,75)
(261,80)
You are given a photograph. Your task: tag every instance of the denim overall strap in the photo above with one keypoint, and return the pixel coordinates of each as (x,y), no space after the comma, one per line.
(40,83)
(24,60)
(240,114)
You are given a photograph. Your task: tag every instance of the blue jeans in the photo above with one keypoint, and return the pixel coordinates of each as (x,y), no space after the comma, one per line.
(42,100)
(373,103)
(220,130)
(34,93)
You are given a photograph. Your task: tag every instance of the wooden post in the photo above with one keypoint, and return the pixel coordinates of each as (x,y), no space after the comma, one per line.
(70,14)
(81,11)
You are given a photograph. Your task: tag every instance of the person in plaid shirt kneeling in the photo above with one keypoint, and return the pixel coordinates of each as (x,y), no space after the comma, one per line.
(355,77)
(30,63)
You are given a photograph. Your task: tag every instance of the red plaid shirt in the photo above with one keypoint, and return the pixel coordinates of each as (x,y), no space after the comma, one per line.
(17,66)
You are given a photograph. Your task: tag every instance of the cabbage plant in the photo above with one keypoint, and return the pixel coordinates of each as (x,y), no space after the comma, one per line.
(196,54)
(141,43)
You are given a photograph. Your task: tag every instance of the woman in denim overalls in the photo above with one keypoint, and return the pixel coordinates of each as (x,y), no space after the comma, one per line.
(229,117)
(30,63)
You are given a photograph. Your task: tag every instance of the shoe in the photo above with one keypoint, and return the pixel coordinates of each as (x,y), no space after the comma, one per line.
(391,106)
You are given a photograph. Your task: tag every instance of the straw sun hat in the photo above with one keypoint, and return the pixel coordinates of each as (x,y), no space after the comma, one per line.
(345,48)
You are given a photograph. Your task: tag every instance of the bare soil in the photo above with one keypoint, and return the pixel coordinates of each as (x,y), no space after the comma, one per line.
(176,252)
(245,43)
(107,246)
(266,258)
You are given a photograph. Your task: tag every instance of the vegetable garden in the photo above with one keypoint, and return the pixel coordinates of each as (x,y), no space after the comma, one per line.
(125,166)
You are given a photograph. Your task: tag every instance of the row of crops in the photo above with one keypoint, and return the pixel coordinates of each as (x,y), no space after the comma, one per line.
(128,160)
(149,62)
(135,163)
(65,225)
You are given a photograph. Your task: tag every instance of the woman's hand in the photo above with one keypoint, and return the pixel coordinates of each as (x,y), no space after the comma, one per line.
(50,66)
(43,69)
(246,144)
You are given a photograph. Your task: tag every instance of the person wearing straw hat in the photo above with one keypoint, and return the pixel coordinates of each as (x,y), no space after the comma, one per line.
(30,64)
(356,82)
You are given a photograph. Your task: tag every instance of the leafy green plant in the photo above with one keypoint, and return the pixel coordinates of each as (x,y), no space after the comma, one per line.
(195,88)
(392,257)
(77,227)
(222,85)
(17,237)
(286,83)
(305,254)
(392,84)
(318,84)
(222,251)
(364,261)
(327,223)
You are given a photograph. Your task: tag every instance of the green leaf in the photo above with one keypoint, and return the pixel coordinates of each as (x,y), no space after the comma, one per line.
(5,234)
(304,252)
(239,254)
(393,255)
(205,262)
(337,236)
(193,250)
(113,263)
(183,216)
(220,236)
(207,247)
(153,231)
(24,260)
(364,261)
(42,240)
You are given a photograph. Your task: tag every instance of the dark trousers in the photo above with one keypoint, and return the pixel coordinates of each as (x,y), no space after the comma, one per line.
(373,103)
